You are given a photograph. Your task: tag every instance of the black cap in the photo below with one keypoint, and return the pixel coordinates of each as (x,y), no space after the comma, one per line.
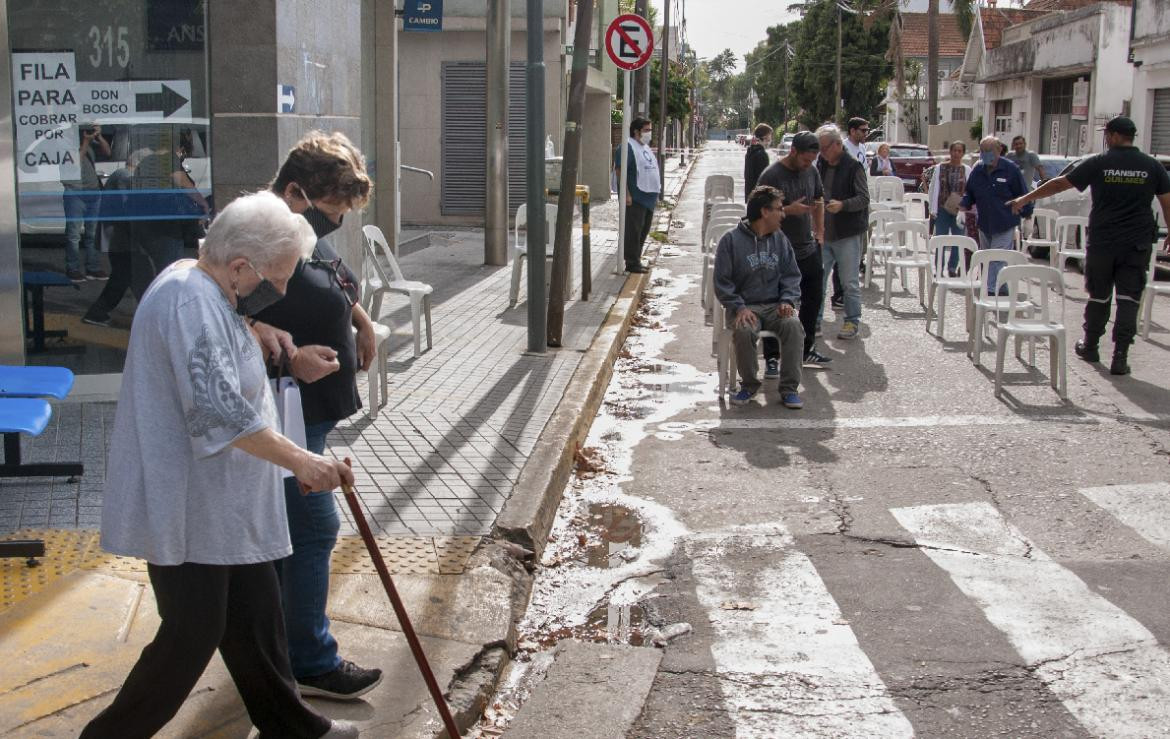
(805,141)
(1121,125)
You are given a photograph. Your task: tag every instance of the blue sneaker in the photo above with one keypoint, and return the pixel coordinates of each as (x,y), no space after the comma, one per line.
(791,400)
(742,397)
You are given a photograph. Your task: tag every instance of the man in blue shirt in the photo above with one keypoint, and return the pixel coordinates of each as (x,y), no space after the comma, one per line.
(993,184)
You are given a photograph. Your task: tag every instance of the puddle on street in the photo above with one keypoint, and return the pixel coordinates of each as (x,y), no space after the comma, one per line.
(618,534)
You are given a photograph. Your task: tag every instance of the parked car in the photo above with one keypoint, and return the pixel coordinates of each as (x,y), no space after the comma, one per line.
(1053,165)
(785,144)
(909,160)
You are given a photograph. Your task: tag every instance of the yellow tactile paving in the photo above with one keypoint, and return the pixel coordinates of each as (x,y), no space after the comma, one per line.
(67,550)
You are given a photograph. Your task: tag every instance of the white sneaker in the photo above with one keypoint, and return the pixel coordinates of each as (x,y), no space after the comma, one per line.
(341,730)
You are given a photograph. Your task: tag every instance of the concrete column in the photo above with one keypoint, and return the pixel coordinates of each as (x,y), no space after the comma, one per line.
(495,247)
(257,45)
(388,185)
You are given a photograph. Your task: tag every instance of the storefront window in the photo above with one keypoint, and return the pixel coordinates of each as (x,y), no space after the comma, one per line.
(113,160)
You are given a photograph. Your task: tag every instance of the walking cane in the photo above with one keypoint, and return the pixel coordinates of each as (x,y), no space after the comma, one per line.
(399,609)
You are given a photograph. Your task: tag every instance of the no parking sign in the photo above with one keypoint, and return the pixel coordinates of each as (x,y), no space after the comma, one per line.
(629,41)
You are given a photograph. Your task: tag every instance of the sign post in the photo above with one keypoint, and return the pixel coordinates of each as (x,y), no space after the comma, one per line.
(629,43)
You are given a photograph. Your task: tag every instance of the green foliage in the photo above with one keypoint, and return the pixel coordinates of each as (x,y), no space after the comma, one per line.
(771,62)
(977,129)
(678,91)
(864,69)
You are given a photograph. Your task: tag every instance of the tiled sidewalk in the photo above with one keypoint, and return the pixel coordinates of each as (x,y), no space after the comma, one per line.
(444,453)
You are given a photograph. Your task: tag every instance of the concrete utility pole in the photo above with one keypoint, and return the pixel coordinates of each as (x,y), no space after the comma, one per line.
(495,243)
(840,103)
(664,67)
(563,239)
(534,154)
(640,96)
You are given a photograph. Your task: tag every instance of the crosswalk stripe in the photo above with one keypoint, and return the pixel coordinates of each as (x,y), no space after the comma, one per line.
(1105,667)
(1144,508)
(788,661)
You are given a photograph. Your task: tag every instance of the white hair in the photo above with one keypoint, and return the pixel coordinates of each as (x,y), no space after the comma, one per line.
(260,228)
(829,131)
(991,140)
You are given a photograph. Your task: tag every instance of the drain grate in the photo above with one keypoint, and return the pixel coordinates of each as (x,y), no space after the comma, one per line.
(68,550)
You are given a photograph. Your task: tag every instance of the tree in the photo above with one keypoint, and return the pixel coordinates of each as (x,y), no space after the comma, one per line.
(678,91)
(771,62)
(932,62)
(864,69)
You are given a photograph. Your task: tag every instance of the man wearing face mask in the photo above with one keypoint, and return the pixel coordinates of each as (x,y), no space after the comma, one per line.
(323,178)
(993,184)
(642,189)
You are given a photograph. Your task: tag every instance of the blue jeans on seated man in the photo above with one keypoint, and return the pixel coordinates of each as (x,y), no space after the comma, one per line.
(1003,240)
(846,254)
(946,224)
(313,524)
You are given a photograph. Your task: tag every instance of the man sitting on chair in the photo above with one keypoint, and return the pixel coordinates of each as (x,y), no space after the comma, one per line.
(758,282)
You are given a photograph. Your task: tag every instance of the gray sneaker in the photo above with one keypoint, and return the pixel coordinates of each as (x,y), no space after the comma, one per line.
(848,330)
(341,730)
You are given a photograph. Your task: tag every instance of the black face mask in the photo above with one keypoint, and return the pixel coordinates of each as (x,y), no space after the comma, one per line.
(262,296)
(321,223)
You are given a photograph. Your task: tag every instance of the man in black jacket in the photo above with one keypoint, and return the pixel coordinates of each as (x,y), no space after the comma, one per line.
(756,160)
(846,217)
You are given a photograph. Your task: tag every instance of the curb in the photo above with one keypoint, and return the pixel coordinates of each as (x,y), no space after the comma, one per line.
(527,516)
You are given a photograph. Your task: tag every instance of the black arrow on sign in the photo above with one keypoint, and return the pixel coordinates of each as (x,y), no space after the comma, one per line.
(167,101)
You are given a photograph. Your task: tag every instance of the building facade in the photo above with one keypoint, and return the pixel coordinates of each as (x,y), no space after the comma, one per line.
(1150,52)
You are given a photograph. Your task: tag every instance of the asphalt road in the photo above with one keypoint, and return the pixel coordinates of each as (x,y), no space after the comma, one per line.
(907,555)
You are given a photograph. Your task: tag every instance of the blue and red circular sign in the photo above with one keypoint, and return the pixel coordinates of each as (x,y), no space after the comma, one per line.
(629,41)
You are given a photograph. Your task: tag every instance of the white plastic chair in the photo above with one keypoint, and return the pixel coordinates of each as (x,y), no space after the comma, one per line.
(374,281)
(723,337)
(917,206)
(728,208)
(908,240)
(1153,289)
(940,280)
(984,301)
(715,232)
(1070,229)
(418,292)
(717,188)
(1030,315)
(878,244)
(1045,225)
(520,246)
(889,189)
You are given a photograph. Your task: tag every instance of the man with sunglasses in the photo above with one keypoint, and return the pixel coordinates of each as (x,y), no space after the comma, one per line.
(323,178)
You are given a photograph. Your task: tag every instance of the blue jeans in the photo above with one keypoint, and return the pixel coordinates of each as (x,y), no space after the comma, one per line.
(1001,240)
(313,524)
(846,254)
(946,224)
(80,225)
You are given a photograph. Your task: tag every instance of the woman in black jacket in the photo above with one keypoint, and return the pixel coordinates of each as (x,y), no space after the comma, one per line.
(756,160)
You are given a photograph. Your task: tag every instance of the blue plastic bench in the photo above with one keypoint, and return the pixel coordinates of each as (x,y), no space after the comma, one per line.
(34,382)
(34,288)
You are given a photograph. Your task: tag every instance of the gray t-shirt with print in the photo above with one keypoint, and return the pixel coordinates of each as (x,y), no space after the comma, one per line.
(176,489)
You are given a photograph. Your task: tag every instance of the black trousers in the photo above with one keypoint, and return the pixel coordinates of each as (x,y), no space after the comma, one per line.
(1110,268)
(812,293)
(638,222)
(128,271)
(233,608)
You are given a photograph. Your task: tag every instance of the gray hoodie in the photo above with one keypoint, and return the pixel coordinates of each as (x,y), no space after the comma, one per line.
(754,270)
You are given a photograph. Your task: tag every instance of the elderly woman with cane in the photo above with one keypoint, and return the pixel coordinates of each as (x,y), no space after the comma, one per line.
(193,484)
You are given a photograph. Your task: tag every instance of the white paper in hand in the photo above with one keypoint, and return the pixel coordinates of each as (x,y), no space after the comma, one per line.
(289,411)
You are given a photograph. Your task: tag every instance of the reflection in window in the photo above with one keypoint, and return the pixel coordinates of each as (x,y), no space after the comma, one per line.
(113,163)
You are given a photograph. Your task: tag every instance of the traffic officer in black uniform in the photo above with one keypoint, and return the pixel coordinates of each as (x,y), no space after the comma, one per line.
(1121,233)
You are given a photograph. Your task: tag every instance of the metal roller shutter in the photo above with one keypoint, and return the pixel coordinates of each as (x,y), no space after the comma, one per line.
(1160,128)
(464,144)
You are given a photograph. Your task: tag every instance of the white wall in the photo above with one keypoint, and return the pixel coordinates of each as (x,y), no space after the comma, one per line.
(1153,73)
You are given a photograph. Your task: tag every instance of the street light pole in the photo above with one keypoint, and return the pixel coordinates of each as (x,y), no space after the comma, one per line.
(664,68)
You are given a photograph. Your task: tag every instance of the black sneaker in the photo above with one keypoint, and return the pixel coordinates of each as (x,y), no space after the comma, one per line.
(1086,352)
(345,683)
(1119,365)
(837,301)
(816,360)
(96,321)
(75,275)
(771,369)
